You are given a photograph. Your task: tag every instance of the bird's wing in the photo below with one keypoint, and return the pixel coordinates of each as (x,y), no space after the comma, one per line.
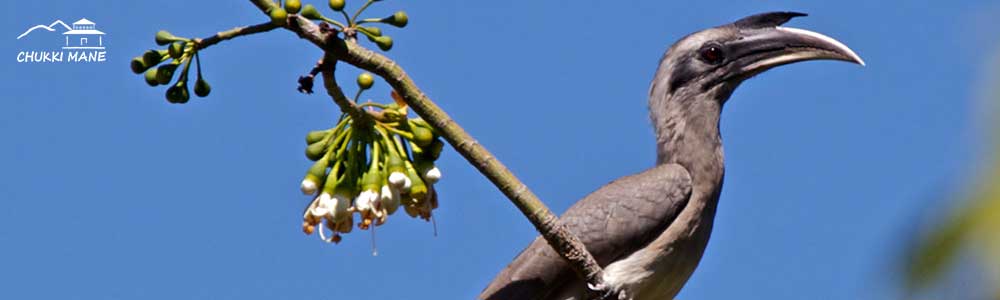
(614,221)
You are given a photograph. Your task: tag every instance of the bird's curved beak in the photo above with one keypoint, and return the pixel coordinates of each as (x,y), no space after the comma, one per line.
(762,49)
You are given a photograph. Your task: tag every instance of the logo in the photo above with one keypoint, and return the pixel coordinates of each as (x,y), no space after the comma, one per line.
(81,43)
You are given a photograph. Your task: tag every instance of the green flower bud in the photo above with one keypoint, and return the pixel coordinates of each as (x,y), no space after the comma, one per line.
(201,87)
(433,152)
(420,122)
(315,136)
(331,186)
(152,57)
(315,151)
(418,190)
(165,73)
(318,169)
(396,164)
(371,180)
(383,42)
(373,30)
(316,174)
(421,166)
(428,172)
(176,49)
(293,6)
(178,93)
(150,76)
(138,65)
(310,12)
(365,81)
(422,136)
(164,37)
(279,16)
(398,19)
(337,5)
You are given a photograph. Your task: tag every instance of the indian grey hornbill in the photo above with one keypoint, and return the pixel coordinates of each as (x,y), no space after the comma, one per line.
(649,230)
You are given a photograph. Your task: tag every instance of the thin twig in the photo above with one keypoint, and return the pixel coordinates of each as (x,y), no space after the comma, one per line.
(232,33)
(327,67)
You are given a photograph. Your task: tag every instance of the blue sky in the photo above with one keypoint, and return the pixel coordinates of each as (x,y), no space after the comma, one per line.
(109,192)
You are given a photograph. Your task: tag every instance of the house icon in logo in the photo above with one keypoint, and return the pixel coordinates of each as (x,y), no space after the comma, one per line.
(84,35)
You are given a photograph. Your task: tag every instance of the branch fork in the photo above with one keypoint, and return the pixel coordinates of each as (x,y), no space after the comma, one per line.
(337,49)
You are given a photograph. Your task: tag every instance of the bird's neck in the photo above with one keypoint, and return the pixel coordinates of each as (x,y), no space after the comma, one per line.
(687,134)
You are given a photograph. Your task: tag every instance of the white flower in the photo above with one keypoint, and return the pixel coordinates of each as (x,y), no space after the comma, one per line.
(323,206)
(399,180)
(341,205)
(390,199)
(309,186)
(320,208)
(385,193)
(433,175)
(365,201)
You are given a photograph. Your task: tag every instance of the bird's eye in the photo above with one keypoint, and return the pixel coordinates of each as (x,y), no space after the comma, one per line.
(711,54)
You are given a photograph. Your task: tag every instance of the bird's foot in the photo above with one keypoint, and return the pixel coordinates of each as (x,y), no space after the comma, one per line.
(604,292)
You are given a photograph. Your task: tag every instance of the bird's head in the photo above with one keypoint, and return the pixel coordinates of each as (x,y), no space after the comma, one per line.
(716,60)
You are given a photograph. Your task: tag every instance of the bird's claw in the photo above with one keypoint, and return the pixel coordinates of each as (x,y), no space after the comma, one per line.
(603,292)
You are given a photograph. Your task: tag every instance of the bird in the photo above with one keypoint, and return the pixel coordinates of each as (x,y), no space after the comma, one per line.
(648,230)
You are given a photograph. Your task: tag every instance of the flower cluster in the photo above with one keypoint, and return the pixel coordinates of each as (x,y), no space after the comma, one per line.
(180,52)
(351,25)
(369,169)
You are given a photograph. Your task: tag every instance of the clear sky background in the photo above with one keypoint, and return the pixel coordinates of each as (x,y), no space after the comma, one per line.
(109,192)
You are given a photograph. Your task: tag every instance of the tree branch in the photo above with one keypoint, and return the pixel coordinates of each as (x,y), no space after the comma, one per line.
(235,32)
(327,66)
(555,233)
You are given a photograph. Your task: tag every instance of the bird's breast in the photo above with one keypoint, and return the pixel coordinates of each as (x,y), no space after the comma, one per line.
(660,270)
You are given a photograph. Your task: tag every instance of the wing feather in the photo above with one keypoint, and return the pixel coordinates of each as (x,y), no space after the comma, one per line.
(614,221)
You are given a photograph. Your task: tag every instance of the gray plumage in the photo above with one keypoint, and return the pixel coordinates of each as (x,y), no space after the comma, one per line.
(649,230)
